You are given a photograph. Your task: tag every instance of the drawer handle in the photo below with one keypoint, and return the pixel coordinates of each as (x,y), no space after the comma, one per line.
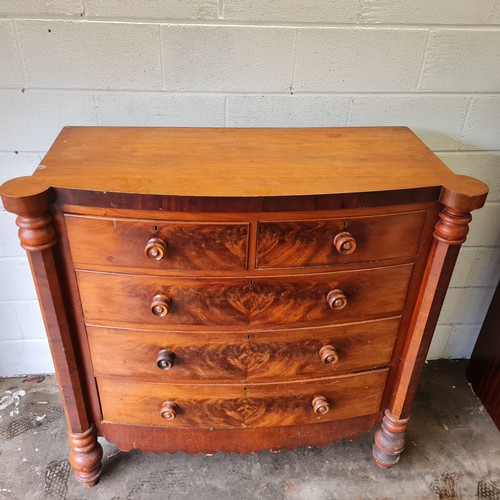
(320,405)
(165,359)
(328,355)
(344,243)
(155,249)
(336,299)
(168,410)
(160,306)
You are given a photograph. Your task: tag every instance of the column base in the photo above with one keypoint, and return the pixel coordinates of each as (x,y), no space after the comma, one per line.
(85,457)
(389,440)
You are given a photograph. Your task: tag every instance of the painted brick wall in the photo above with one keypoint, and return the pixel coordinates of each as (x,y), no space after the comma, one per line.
(434,66)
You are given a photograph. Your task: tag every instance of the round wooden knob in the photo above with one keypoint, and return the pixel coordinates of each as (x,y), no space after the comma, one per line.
(328,355)
(344,243)
(165,359)
(336,299)
(320,405)
(160,305)
(168,410)
(155,249)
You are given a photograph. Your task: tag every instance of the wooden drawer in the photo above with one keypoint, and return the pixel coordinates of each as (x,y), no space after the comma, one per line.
(98,242)
(237,406)
(241,356)
(285,244)
(121,300)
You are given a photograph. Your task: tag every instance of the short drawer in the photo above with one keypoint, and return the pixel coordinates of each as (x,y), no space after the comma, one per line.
(240,406)
(338,241)
(163,302)
(128,244)
(242,356)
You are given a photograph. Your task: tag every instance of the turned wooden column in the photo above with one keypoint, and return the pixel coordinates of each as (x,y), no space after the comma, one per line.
(450,232)
(37,234)
(85,456)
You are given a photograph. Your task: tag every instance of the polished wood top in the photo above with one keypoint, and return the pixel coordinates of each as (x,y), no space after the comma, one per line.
(223,162)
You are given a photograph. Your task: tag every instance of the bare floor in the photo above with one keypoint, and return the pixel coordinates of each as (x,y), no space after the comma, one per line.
(453,452)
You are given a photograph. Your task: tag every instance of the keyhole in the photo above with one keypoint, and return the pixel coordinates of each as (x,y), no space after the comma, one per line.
(155,229)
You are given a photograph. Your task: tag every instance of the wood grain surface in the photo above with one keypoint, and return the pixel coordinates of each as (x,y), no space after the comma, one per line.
(449,233)
(98,203)
(77,327)
(242,356)
(282,244)
(121,243)
(120,300)
(245,440)
(241,406)
(240,162)
(44,267)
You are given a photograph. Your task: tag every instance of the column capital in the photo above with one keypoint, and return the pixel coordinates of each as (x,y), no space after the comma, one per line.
(452,227)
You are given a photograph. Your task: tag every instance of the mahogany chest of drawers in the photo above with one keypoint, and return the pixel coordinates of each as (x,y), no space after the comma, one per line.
(239,289)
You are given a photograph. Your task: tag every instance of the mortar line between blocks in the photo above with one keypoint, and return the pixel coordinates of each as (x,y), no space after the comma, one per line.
(348,117)
(20,323)
(359,15)
(20,301)
(484,247)
(17,341)
(22,151)
(423,61)
(252,23)
(162,58)
(468,151)
(453,324)
(97,117)
(13,28)
(18,258)
(294,63)
(469,272)
(221,9)
(492,8)
(468,287)
(365,93)
(465,122)
(452,331)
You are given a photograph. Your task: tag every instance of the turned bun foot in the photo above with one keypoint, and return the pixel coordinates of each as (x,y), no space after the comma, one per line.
(85,457)
(389,440)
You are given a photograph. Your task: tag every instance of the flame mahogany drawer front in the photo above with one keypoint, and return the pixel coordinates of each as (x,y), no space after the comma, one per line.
(338,241)
(242,356)
(240,406)
(239,290)
(151,244)
(162,302)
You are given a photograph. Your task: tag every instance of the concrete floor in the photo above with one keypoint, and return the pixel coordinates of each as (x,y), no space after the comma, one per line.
(453,452)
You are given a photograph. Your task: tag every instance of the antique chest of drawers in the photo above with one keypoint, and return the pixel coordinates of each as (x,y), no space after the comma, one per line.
(239,289)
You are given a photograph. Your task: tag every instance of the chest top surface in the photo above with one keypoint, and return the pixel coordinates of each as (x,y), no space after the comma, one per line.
(221,162)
